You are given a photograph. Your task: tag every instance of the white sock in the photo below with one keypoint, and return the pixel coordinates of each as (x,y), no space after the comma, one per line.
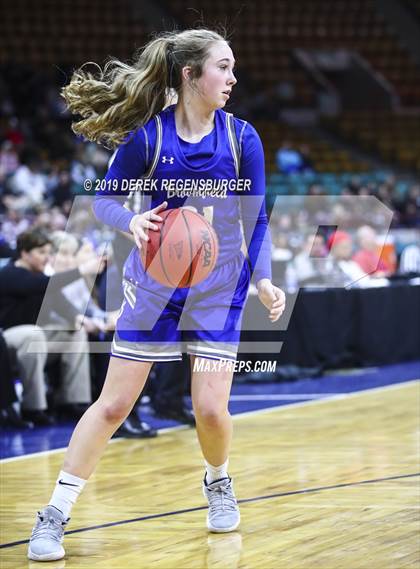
(216,472)
(66,491)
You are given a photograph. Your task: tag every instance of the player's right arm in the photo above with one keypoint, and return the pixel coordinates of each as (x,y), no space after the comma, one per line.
(128,163)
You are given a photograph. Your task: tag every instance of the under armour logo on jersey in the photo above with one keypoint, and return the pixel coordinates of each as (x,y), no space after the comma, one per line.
(170,159)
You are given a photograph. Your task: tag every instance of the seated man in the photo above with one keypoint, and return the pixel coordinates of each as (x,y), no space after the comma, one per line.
(368,256)
(23,287)
(343,271)
(288,160)
(67,255)
(309,266)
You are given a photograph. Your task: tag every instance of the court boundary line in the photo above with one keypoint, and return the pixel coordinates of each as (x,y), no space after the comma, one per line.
(163,430)
(280,396)
(337,397)
(245,414)
(243,501)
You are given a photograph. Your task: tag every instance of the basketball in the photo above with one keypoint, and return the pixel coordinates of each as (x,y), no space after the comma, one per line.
(184,250)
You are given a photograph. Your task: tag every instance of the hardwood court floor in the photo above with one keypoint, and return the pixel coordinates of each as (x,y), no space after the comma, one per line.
(332,484)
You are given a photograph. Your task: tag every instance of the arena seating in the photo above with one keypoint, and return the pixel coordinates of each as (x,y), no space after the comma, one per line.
(329,183)
(325,156)
(265,33)
(52,35)
(46,32)
(393,137)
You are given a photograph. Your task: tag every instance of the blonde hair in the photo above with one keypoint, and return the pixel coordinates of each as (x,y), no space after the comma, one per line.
(60,238)
(122,97)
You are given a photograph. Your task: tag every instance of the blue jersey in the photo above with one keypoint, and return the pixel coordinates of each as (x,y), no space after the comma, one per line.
(203,175)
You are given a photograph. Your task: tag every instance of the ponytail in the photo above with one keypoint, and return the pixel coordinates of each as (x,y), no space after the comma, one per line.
(122,97)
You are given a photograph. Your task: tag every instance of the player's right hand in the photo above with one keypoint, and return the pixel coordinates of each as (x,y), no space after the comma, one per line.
(143,221)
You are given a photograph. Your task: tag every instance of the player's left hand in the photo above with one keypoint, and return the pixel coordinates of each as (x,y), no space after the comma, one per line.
(272,297)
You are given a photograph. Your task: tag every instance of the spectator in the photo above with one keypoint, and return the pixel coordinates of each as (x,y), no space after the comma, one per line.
(9,416)
(368,256)
(342,270)
(50,219)
(60,191)
(133,426)
(167,392)
(9,160)
(23,287)
(28,183)
(14,223)
(67,256)
(309,266)
(281,253)
(14,133)
(98,323)
(410,260)
(6,252)
(411,207)
(81,170)
(307,164)
(289,160)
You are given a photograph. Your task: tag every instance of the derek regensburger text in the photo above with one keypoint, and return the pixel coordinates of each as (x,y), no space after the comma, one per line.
(174,187)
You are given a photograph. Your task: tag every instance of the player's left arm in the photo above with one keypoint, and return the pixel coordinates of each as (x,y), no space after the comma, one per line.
(255,223)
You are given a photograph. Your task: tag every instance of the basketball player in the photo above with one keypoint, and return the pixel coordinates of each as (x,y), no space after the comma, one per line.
(192,140)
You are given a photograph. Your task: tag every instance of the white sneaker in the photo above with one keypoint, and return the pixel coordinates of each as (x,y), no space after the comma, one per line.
(47,535)
(223,515)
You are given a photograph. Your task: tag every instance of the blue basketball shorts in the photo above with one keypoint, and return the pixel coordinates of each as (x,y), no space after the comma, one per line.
(158,324)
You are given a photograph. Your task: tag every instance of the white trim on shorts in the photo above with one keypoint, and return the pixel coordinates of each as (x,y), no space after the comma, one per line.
(212,353)
(142,356)
(201,351)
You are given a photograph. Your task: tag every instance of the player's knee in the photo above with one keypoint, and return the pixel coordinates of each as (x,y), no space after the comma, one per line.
(116,411)
(32,330)
(210,416)
(79,336)
(34,337)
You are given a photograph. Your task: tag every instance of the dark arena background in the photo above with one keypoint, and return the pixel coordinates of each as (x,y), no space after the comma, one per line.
(326,400)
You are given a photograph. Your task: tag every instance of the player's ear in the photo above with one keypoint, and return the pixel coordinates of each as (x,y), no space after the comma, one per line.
(187,73)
